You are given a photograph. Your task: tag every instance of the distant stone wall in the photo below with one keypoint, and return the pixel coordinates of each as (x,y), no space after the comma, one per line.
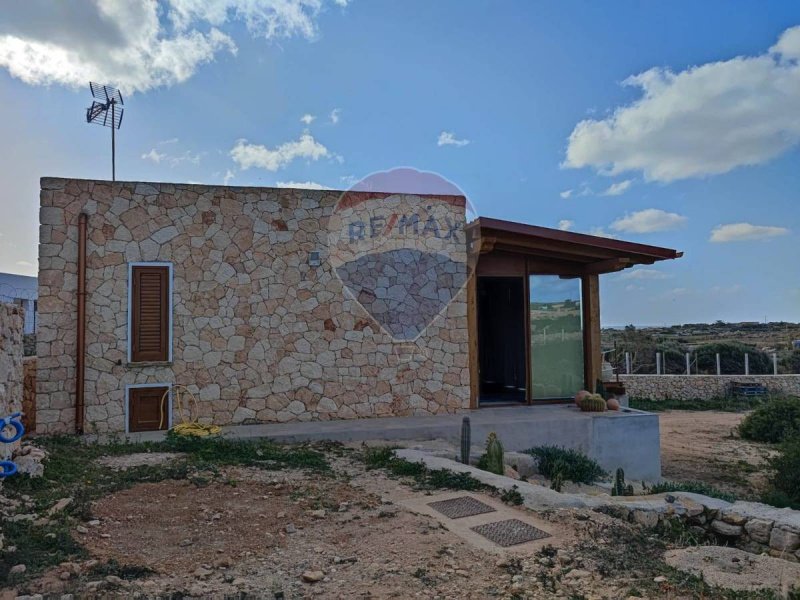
(264,330)
(703,387)
(11,325)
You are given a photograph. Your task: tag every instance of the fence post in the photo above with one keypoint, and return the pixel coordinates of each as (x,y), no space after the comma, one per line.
(719,369)
(658,363)
(774,363)
(688,365)
(628,363)
(746,363)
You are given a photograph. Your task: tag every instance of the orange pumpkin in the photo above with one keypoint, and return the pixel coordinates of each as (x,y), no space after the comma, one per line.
(612,403)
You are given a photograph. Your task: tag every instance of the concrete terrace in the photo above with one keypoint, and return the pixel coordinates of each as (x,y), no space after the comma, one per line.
(628,438)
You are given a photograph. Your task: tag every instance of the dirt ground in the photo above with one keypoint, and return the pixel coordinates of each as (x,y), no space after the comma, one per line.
(253,533)
(704,446)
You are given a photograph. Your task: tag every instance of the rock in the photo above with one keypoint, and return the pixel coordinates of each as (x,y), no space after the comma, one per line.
(17,569)
(716,565)
(784,540)
(185,543)
(578,574)
(510,471)
(759,530)
(647,518)
(290,528)
(313,576)
(318,514)
(224,562)
(94,523)
(733,518)
(726,529)
(59,506)
(115,581)
(659,579)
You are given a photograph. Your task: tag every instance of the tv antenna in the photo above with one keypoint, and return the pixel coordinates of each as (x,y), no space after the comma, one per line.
(108,113)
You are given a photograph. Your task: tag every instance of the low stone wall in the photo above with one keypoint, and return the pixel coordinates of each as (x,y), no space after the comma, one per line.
(751,526)
(29,393)
(703,387)
(11,325)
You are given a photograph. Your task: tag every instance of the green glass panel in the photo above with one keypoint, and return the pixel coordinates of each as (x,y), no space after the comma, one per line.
(556,337)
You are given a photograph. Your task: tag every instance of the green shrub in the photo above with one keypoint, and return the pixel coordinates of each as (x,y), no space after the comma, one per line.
(774,422)
(566,464)
(785,476)
(695,487)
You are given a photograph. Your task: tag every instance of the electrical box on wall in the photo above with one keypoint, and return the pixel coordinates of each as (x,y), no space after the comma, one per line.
(314,258)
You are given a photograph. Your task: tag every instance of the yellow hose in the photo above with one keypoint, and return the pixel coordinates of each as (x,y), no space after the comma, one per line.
(190,426)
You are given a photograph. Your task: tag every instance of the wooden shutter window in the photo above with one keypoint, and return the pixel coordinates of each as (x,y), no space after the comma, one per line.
(150,314)
(148,409)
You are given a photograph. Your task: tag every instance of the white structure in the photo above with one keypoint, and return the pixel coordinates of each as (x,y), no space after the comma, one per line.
(23,291)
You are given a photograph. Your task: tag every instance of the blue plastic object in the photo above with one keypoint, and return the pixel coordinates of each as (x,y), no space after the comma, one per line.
(11,421)
(7,468)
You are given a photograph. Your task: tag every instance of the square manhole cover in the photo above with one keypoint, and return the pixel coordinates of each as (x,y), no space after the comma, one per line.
(457,508)
(510,532)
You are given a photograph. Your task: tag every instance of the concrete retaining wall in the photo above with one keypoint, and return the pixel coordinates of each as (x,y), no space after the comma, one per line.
(703,387)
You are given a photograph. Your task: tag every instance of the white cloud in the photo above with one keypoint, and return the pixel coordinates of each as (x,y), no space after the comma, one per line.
(229,175)
(565,224)
(448,138)
(255,155)
(335,115)
(704,120)
(727,289)
(566,194)
(302,185)
(168,141)
(601,232)
(641,273)
(615,189)
(307,119)
(648,221)
(173,160)
(129,45)
(154,156)
(739,232)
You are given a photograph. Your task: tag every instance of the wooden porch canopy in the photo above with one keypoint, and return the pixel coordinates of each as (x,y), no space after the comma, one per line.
(561,252)
(498,248)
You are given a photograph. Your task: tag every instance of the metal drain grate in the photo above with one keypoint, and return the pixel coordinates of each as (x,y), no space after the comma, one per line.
(510,532)
(464,506)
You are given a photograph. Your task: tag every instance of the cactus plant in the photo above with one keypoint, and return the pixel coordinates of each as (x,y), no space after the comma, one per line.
(466,440)
(593,403)
(620,488)
(494,455)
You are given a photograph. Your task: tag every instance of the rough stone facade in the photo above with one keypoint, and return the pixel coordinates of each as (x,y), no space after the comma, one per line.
(11,325)
(29,393)
(703,387)
(261,332)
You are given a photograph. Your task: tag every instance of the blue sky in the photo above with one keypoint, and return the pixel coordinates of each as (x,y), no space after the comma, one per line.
(523,105)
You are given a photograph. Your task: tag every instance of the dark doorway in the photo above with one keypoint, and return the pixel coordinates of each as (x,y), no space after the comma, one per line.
(501,339)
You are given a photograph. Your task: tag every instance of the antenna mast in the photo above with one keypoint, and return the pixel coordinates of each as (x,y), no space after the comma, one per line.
(108,113)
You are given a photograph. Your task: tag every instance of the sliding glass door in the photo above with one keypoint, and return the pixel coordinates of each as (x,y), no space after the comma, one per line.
(556,326)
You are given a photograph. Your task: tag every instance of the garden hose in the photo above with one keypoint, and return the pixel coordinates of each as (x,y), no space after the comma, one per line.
(7,468)
(186,426)
(11,421)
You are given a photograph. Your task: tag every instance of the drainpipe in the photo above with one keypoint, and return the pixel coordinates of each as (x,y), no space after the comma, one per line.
(81,333)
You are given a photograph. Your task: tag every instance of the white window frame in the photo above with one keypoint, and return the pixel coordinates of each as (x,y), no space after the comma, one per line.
(134,386)
(130,305)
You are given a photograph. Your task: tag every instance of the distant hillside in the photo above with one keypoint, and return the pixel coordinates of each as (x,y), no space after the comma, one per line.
(764,336)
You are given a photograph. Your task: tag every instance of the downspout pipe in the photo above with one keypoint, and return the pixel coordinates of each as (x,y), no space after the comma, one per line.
(80,351)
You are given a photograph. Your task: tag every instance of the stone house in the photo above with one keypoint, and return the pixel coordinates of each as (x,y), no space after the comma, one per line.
(277,305)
